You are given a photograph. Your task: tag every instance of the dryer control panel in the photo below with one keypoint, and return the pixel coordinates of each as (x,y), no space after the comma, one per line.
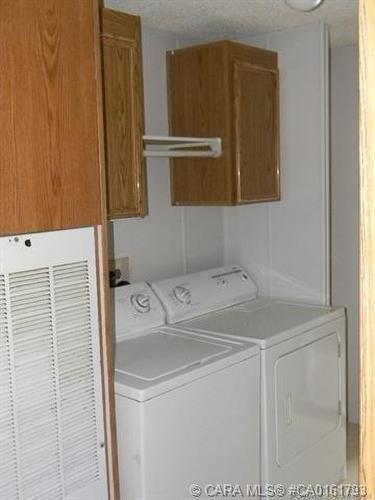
(195,294)
(137,308)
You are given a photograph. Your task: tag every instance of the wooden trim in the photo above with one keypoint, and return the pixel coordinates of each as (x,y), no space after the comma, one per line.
(254,67)
(129,215)
(367,243)
(115,41)
(104,297)
(218,43)
(229,83)
(119,24)
(169,55)
(259,200)
(203,203)
(107,357)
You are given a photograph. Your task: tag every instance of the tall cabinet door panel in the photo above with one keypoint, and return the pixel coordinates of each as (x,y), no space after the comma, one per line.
(199,107)
(49,160)
(256,129)
(124,124)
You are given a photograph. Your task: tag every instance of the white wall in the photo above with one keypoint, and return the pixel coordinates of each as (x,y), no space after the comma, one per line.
(170,240)
(345,212)
(285,244)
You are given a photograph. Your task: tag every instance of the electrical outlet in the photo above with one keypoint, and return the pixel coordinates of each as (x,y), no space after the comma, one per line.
(122,264)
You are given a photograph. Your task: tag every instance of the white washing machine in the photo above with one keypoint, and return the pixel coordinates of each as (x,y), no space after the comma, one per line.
(188,405)
(303,395)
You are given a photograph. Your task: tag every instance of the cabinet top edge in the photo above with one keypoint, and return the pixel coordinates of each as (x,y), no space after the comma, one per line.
(120,24)
(112,13)
(224,44)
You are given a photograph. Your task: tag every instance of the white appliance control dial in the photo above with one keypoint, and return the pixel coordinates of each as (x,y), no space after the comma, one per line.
(182,295)
(141,302)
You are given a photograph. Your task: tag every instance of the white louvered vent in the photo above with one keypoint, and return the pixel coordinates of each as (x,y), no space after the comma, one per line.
(35,383)
(76,375)
(51,423)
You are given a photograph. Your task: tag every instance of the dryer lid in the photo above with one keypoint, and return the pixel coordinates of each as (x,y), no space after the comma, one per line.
(195,294)
(264,321)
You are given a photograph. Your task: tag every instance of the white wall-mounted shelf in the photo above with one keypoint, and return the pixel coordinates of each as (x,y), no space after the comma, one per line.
(180,147)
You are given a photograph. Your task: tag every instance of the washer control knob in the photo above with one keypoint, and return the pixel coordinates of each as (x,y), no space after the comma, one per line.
(182,295)
(141,302)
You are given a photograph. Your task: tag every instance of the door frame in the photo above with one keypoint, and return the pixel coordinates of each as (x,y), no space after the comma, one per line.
(367,244)
(367,265)
(105,311)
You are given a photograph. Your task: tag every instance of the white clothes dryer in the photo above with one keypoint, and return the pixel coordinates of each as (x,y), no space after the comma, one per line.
(303,389)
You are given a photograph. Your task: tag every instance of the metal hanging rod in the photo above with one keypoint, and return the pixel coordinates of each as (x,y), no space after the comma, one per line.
(181,147)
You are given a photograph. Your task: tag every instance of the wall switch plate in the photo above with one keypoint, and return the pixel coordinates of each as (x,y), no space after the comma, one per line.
(121,264)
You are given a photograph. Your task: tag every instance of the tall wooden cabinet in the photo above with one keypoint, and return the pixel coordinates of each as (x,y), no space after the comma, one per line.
(49,160)
(124,121)
(228,90)
(52,178)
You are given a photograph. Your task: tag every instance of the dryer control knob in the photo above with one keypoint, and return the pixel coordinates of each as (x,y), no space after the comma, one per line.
(182,295)
(141,302)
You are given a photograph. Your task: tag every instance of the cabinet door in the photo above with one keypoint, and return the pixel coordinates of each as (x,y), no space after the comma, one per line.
(49,150)
(199,106)
(123,102)
(256,133)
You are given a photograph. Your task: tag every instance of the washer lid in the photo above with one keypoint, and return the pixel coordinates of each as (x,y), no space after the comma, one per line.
(163,359)
(264,321)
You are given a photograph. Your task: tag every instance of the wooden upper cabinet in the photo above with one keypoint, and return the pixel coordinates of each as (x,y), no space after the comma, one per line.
(49,147)
(124,117)
(228,90)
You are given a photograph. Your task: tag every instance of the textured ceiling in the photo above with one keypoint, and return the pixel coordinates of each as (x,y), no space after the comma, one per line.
(213,19)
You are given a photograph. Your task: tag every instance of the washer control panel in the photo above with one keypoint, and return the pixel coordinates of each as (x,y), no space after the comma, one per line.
(195,294)
(137,308)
